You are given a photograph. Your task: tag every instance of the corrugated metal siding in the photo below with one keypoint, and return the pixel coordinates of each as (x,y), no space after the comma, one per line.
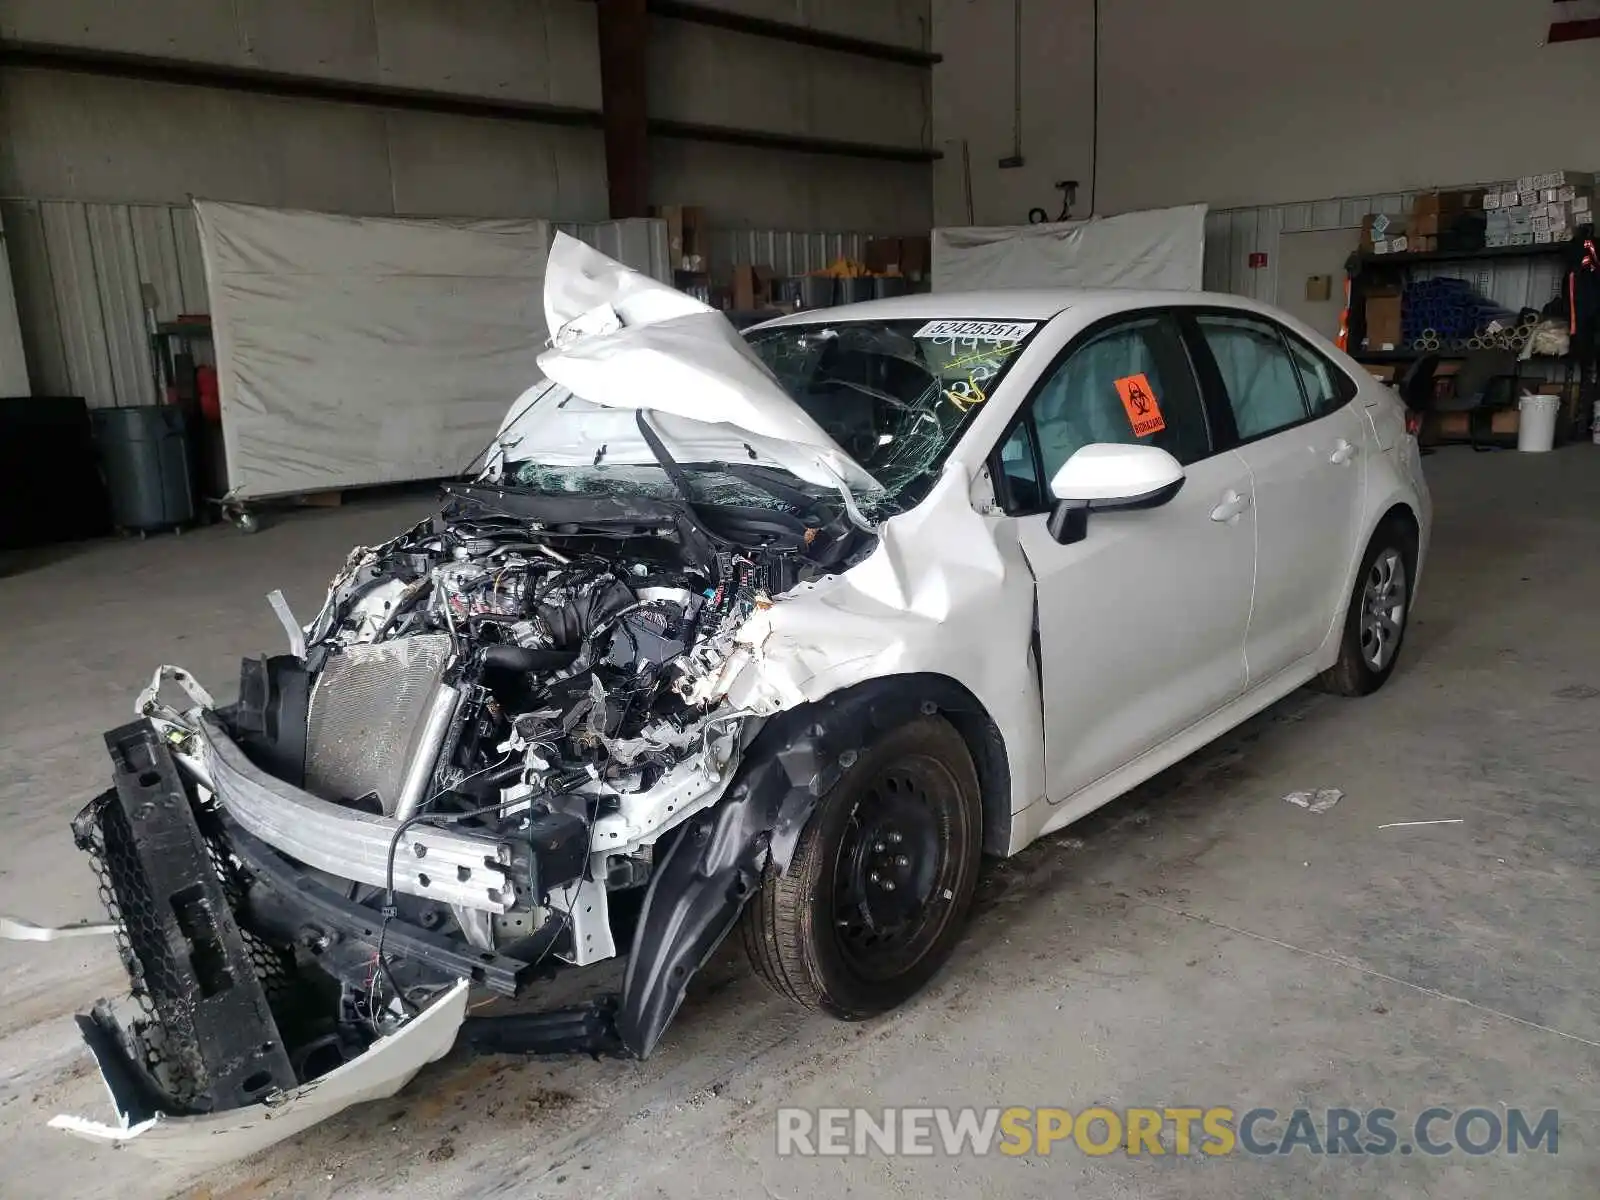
(82,274)
(787,252)
(1233,234)
(75,276)
(640,243)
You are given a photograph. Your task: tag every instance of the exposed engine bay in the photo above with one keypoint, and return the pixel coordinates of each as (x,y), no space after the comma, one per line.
(495,726)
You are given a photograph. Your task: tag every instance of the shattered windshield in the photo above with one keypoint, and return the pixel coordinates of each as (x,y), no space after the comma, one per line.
(896,395)
(711,485)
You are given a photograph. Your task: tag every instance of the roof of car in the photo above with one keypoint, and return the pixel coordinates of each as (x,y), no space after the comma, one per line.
(1027,304)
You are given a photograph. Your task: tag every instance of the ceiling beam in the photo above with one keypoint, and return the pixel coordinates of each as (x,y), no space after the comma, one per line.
(78,60)
(785,31)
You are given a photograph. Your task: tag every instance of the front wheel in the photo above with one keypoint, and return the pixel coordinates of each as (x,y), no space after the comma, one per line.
(881,880)
(1380,607)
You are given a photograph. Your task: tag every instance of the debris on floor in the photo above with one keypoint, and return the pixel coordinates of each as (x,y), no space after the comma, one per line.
(1319,801)
(1410,824)
(15,929)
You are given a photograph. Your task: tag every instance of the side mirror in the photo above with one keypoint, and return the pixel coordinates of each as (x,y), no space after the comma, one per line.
(1108,477)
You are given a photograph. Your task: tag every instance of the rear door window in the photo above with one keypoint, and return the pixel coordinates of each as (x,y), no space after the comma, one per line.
(1261,378)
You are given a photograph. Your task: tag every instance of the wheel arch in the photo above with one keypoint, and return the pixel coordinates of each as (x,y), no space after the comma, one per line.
(714,865)
(957,704)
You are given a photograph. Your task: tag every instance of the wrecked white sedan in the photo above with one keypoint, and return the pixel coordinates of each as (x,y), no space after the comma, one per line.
(779,631)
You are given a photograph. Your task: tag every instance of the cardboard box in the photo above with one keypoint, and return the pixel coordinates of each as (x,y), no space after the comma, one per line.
(752,287)
(1378,227)
(1505,420)
(1528,196)
(1437,426)
(1382,372)
(1543,237)
(686,236)
(1433,204)
(1425,224)
(882,256)
(916,257)
(1383,318)
(1421,245)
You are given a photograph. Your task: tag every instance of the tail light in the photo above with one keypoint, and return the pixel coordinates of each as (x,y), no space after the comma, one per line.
(1413,422)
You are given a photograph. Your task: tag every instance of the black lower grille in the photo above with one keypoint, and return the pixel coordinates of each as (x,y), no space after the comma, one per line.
(205,1035)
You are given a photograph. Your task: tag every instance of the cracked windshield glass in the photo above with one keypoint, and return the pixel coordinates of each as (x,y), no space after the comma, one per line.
(896,395)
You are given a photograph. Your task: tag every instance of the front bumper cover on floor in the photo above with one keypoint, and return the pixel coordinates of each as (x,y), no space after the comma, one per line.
(386,1067)
(204,1040)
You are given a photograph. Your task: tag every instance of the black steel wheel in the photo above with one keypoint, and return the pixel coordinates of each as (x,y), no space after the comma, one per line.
(882,877)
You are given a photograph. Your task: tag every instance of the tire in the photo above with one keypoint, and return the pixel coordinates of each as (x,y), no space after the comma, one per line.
(906,812)
(1367,653)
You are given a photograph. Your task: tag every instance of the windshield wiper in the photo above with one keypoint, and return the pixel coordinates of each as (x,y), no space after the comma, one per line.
(674,472)
(770,482)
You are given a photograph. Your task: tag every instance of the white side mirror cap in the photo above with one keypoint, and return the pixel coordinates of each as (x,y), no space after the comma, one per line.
(1108,475)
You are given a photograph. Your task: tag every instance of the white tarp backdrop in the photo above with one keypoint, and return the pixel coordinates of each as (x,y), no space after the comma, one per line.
(1160,248)
(362,350)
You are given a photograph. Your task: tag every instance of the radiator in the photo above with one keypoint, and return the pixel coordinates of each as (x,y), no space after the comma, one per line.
(369,717)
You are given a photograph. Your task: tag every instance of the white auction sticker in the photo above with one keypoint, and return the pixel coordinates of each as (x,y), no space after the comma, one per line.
(978,331)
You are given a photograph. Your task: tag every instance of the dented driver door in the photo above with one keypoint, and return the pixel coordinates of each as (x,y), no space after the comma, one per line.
(1141,625)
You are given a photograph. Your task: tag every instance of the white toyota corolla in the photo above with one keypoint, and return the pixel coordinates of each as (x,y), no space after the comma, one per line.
(778,632)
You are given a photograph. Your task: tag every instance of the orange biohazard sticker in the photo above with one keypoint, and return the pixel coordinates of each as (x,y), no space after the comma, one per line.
(1139,398)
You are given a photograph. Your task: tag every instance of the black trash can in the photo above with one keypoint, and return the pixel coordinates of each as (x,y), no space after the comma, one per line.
(854,290)
(144,456)
(816,291)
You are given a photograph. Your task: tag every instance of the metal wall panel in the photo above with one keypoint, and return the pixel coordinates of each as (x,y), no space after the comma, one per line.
(121,303)
(36,299)
(13,360)
(1232,235)
(787,252)
(640,243)
(78,310)
(80,272)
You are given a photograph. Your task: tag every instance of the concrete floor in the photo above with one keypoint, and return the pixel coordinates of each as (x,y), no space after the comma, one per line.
(1200,942)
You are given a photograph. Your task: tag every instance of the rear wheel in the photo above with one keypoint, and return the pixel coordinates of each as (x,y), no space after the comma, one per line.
(1380,607)
(881,880)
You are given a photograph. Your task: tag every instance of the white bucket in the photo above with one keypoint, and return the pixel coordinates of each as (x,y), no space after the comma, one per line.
(1536,426)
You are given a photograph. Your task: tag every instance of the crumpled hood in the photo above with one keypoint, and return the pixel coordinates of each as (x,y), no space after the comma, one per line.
(623,341)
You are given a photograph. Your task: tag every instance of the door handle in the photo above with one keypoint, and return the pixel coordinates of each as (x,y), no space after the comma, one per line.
(1232,505)
(1343,452)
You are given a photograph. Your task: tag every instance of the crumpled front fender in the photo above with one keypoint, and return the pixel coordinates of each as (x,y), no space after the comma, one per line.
(721,856)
